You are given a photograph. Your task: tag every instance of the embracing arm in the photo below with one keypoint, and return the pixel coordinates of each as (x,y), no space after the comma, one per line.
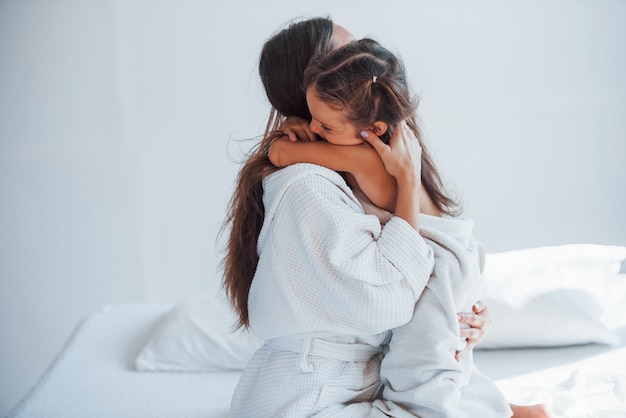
(359,281)
(366,167)
(402,160)
(362,161)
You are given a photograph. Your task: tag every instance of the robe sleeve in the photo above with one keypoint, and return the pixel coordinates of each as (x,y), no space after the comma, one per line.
(345,272)
(420,371)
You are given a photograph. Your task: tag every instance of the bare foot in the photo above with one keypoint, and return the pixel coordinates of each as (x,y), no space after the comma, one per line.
(531,411)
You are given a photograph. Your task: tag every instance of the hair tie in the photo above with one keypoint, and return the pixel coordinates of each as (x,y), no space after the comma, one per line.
(374,79)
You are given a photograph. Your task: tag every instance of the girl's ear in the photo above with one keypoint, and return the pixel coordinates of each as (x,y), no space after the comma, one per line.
(379,127)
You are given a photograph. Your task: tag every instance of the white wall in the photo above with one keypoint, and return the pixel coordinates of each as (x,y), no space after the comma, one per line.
(119,124)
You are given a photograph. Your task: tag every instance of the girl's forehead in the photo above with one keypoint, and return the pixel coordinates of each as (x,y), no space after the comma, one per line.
(311,95)
(329,113)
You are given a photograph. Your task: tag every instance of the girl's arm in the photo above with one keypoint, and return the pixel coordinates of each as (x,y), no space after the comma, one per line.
(362,161)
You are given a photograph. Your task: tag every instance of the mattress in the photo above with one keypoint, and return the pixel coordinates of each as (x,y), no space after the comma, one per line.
(93,376)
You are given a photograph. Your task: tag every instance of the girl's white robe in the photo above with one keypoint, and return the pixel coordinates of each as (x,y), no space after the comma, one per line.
(331,276)
(419,372)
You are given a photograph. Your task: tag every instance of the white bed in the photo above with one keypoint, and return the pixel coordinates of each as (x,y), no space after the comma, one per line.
(94,376)
(103,371)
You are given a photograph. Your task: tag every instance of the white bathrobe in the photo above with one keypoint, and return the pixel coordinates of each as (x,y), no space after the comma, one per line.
(419,372)
(330,283)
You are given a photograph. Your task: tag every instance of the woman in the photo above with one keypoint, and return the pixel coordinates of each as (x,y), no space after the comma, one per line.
(302,309)
(283,60)
(321,282)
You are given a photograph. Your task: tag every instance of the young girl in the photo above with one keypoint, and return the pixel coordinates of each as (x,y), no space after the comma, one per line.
(385,97)
(355,95)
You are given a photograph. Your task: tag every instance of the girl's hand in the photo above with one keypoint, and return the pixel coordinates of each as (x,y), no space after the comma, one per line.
(297,129)
(479,323)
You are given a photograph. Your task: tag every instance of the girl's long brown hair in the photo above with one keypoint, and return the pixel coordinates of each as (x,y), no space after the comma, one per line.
(369,82)
(284,58)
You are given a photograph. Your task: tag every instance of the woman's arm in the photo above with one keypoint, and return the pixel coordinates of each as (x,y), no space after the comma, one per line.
(364,163)
(350,274)
(402,159)
(361,161)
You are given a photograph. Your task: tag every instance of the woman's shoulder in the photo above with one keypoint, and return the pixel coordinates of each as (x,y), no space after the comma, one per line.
(303,173)
(304,181)
(305,189)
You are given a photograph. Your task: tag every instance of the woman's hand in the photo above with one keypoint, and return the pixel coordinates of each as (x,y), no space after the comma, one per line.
(479,323)
(403,156)
(403,160)
(297,129)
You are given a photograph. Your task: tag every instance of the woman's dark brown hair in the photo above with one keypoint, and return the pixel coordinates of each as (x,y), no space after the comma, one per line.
(284,58)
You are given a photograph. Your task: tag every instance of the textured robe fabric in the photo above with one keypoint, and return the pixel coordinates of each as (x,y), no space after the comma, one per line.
(419,371)
(330,284)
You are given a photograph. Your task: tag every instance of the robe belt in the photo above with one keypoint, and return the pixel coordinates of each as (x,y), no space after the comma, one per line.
(322,348)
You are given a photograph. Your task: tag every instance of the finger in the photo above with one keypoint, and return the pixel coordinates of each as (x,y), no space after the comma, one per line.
(483,317)
(308,133)
(479,306)
(374,141)
(289,134)
(300,133)
(460,355)
(471,334)
(473,320)
(470,345)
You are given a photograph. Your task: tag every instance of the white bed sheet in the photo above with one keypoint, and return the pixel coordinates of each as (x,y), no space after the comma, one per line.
(93,376)
(585,381)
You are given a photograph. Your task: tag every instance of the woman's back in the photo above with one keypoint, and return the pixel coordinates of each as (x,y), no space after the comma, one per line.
(329,285)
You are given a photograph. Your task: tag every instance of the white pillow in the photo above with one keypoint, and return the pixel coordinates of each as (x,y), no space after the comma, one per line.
(198,335)
(544,296)
(550,296)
